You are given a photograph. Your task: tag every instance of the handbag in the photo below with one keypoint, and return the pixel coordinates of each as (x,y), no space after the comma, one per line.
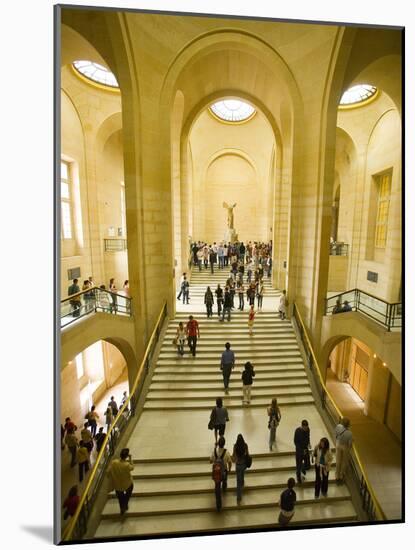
(212,419)
(248,461)
(174,342)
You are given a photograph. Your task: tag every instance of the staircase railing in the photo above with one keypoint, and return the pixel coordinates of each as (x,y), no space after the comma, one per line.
(92,300)
(368,498)
(78,525)
(387,314)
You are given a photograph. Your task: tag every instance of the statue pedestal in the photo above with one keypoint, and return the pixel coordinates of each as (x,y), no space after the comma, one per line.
(232,235)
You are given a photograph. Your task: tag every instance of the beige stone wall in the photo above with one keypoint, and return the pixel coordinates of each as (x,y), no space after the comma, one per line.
(337,279)
(92,142)
(232,163)
(375,132)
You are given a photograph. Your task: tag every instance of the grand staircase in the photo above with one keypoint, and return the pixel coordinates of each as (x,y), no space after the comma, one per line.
(173,490)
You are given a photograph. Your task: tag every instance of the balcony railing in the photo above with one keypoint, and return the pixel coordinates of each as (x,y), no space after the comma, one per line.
(91,301)
(388,315)
(359,477)
(339,249)
(115,245)
(78,525)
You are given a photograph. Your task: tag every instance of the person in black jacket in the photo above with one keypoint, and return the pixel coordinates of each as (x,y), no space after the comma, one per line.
(247,375)
(287,503)
(227,305)
(219,298)
(302,446)
(209,302)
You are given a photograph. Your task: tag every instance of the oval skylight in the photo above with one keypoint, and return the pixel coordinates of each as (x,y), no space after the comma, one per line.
(232,110)
(96,72)
(357,94)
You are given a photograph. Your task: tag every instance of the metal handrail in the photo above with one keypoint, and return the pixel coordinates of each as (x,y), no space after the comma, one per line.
(366,294)
(72,524)
(377,506)
(80,293)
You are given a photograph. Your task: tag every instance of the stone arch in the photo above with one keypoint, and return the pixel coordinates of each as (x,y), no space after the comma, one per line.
(231,151)
(109,126)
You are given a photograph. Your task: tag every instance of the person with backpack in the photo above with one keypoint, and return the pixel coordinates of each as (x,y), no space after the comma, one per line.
(99,439)
(209,301)
(227,305)
(242,461)
(218,418)
(274,418)
(247,375)
(287,503)
(221,465)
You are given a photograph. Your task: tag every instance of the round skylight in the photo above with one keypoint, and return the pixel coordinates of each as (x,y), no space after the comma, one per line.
(96,72)
(232,110)
(357,94)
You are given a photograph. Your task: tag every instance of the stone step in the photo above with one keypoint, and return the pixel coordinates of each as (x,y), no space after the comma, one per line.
(241,356)
(204,502)
(194,385)
(235,391)
(276,479)
(318,512)
(188,363)
(246,347)
(186,378)
(235,403)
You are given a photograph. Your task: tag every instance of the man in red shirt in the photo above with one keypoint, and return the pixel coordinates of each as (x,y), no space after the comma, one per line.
(193,333)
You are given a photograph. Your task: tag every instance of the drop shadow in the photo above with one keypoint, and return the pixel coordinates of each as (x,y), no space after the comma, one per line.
(43,532)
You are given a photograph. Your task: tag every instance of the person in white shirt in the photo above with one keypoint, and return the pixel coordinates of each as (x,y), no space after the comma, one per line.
(344,441)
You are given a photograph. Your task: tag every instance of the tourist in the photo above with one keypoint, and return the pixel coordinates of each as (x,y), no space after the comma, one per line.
(83,460)
(222,465)
(346,307)
(274,418)
(120,474)
(212,259)
(114,406)
(241,458)
(269,266)
(200,256)
(76,301)
(227,305)
(86,437)
(184,276)
(227,364)
(205,256)
(88,295)
(225,255)
(180,338)
(219,298)
(124,399)
(69,425)
(282,307)
(218,418)
(249,274)
(302,446)
(251,319)
(323,458)
(241,292)
(209,301)
(72,443)
(108,417)
(287,503)
(71,502)
(100,438)
(338,307)
(220,256)
(344,441)
(103,299)
(260,293)
(250,294)
(193,333)
(247,379)
(113,303)
(185,290)
(92,417)
(242,250)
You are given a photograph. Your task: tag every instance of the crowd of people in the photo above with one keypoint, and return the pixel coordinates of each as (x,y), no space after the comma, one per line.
(320,455)
(228,254)
(90,297)
(341,308)
(91,436)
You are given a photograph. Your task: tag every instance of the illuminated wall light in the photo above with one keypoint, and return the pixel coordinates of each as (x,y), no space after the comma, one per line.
(374,355)
(384,364)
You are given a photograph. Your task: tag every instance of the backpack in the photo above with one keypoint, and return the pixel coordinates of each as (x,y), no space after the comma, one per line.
(218,467)
(247,377)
